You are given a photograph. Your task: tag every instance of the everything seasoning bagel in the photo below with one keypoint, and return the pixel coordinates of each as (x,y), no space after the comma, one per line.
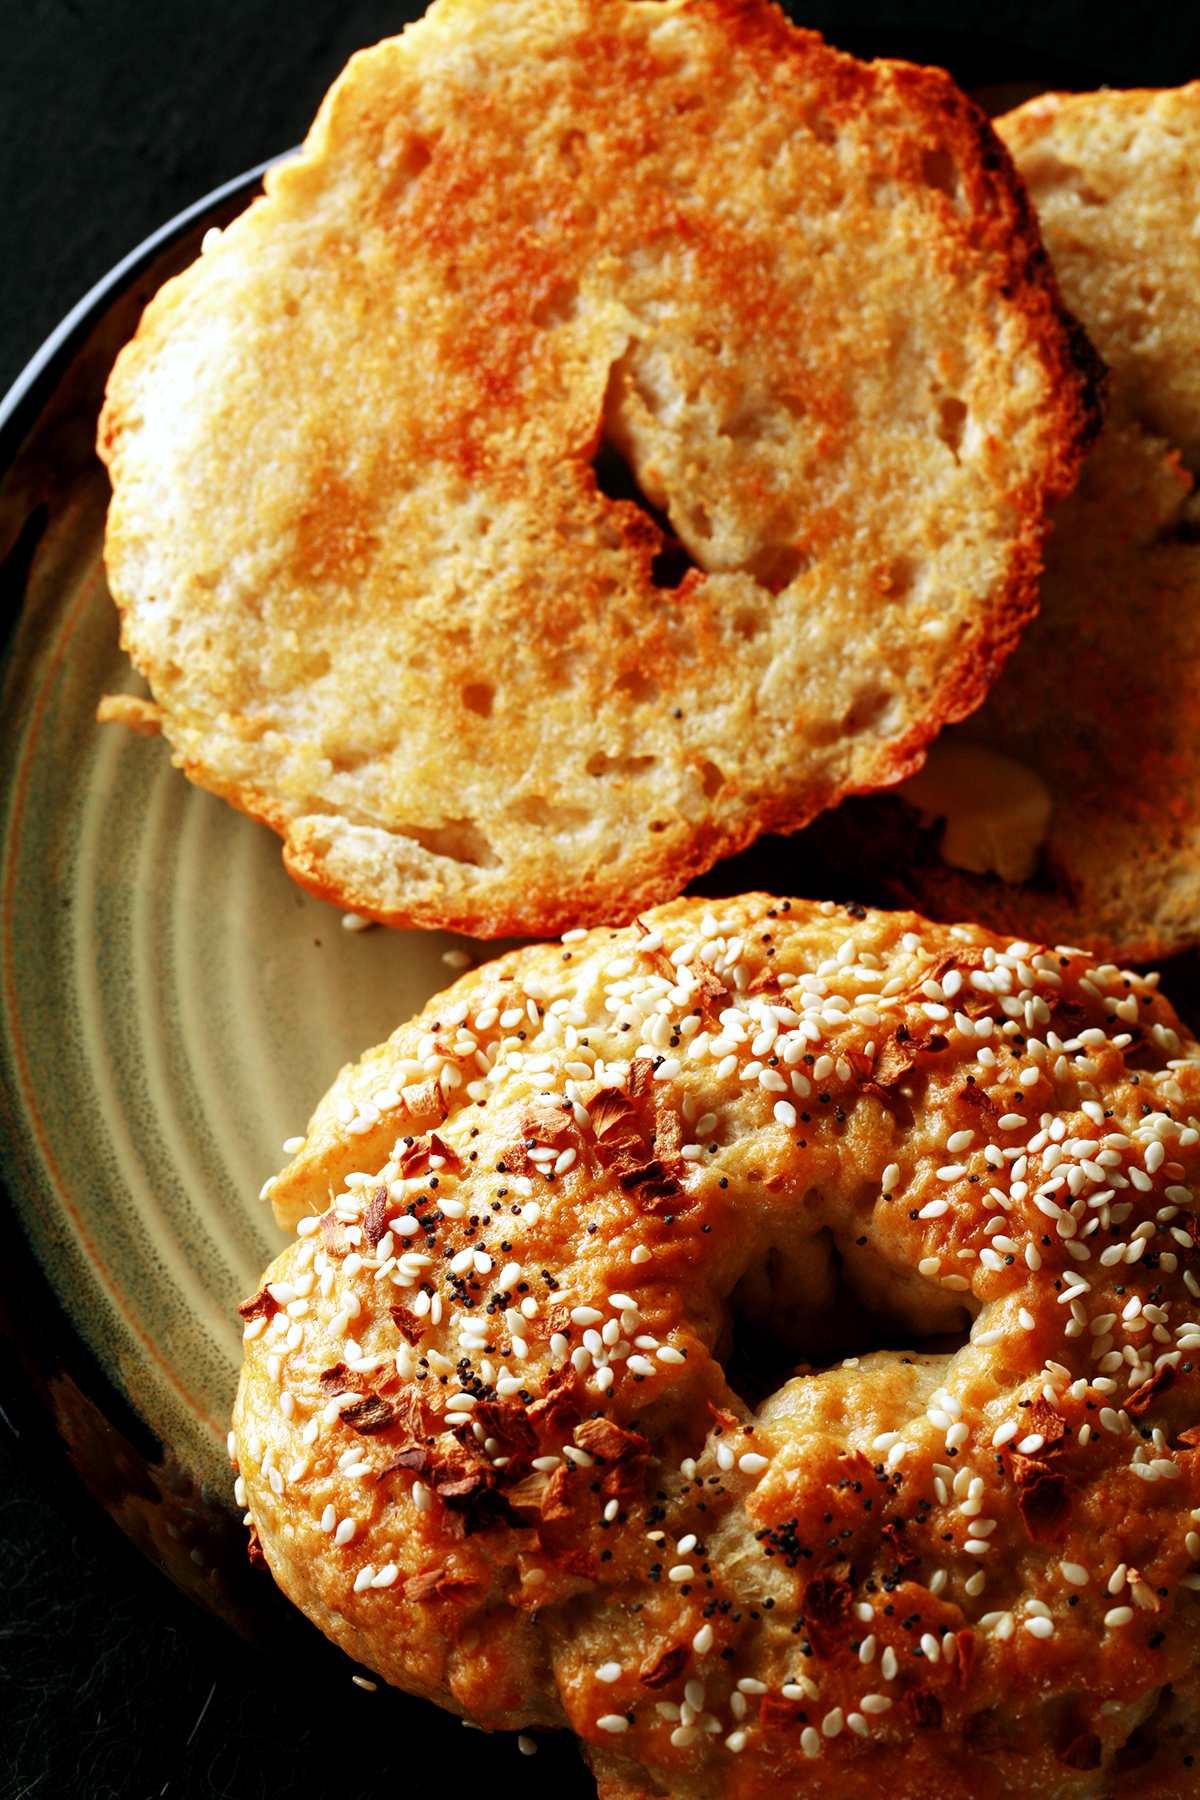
(766,1340)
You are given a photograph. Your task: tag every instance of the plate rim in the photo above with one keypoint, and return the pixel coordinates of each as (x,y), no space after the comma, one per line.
(27,395)
(47,1373)
(67,1422)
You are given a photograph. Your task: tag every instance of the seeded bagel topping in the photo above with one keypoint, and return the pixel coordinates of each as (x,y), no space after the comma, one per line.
(809,1287)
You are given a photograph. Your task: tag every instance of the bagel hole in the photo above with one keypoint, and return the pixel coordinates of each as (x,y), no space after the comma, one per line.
(798,1312)
(617,481)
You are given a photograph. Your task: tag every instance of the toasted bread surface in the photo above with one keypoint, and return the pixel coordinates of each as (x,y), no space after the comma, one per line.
(720,1336)
(359,536)
(1102,699)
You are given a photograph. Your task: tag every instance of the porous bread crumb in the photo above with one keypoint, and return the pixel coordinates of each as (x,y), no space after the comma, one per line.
(365,453)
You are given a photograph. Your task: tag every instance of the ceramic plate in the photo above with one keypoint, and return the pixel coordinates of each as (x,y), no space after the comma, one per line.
(171,1004)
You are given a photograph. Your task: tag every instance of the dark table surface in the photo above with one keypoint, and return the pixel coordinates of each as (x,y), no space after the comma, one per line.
(115,115)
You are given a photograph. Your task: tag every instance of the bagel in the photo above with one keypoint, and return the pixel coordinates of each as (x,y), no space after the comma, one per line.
(623,428)
(1101,702)
(521,1423)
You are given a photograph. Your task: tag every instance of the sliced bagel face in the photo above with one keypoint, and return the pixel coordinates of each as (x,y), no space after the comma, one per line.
(1101,700)
(366,536)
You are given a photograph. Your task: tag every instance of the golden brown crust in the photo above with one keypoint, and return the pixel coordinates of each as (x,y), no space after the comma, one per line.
(966,1567)
(140,716)
(387,608)
(1102,699)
